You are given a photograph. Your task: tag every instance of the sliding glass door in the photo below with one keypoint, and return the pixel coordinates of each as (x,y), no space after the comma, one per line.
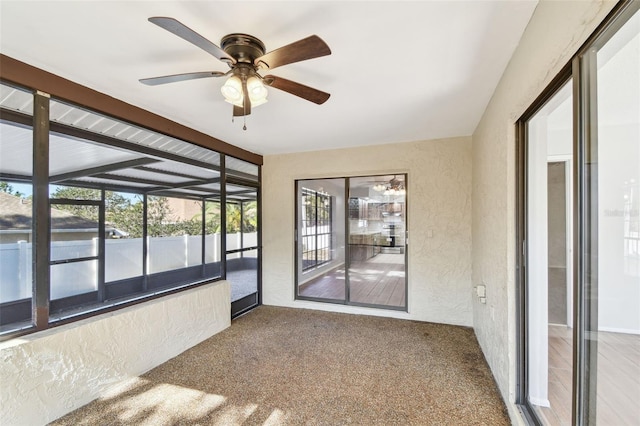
(579,270)
(549,275)
(610,230)
(351,241)
(320,240)
(377,263)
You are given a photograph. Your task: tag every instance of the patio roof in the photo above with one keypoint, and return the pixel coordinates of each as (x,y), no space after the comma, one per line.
(91,150)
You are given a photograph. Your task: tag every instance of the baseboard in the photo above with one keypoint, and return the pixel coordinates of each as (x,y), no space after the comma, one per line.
(619,330)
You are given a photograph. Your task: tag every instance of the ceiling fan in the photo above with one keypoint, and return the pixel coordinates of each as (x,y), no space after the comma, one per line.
(245,55)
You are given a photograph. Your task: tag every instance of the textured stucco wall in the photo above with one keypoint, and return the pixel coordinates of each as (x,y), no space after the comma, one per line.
(439,199)
(45,375)
(554,34)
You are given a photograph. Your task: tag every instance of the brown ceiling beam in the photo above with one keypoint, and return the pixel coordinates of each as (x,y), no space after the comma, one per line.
(34,78)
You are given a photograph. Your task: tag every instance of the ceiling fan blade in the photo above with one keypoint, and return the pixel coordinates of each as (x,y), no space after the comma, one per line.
(154,81)
(305,92)
(178,28)
(301,50)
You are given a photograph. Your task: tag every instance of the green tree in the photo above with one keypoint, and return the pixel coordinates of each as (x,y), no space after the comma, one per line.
(7,188)
(126,213)
(233,218)
(250,216)
(126,216)
(158,217)
(121,212)
(212,217)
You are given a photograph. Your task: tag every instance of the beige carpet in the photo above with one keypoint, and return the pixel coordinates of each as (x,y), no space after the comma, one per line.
(279,366)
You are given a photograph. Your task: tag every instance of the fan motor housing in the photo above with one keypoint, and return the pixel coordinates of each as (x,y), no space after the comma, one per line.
(243,47)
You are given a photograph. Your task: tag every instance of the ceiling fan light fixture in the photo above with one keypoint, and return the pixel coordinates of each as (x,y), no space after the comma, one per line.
(232,90)
(257,91)
(246,55)
(258,102)
(393,187)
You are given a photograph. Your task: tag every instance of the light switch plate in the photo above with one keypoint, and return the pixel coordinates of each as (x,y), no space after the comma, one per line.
(481,290)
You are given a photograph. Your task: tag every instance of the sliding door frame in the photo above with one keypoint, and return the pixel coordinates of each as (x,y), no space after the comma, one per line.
(522,223)
(347,250)
(297,237)
(582,69)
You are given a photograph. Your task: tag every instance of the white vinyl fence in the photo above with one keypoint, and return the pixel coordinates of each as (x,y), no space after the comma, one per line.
(123,259)
(15,271)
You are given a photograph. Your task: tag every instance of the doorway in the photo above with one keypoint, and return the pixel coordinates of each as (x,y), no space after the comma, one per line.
(582,370)
(351,243)
(242,246)
(559,220)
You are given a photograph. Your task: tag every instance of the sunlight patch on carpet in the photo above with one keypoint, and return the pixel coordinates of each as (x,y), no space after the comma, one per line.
(167,404)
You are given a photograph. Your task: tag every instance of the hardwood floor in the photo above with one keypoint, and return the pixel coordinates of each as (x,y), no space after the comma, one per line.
(560,377)
(379,280)
(330,285)
(618,378)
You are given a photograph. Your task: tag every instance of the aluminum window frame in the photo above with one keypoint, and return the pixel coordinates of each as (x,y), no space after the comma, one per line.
(298,273)
(42,315)
(582,70)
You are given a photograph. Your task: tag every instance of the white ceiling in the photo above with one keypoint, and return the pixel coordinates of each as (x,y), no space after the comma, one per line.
(399,71)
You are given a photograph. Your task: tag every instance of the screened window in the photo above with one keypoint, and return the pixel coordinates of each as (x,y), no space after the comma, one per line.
(16,208)
(125,213)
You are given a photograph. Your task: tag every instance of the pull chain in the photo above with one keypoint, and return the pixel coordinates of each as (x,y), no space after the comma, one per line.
(244,105)
(244,117)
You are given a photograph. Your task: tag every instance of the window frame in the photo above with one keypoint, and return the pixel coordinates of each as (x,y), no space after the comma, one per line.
(25,77)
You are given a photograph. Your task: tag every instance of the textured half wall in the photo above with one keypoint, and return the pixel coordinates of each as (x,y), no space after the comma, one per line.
(556,31)
(439,200)
(45,375)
